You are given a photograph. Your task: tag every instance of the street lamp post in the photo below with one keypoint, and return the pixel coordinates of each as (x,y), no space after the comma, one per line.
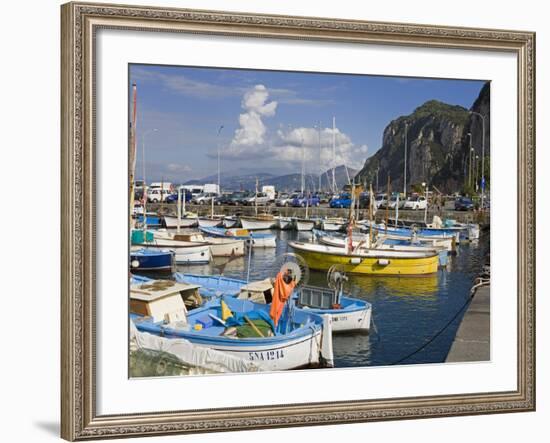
(377,169)
(470,160)
(482,156)
(477,163)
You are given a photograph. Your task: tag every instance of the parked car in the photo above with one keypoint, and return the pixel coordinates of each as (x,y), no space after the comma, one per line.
(340,201)
(380,200)
(260,199)
(205,198)
(224,199)
(464,204)
(284,199)
(173,198)
(156,195)
(303,201)
(415,202)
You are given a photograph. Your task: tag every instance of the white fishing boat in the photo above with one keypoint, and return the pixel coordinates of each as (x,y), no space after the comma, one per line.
(219,247)
(333,224)
(187,220)
(284,223)
(260,222)
(304,224)
(384,244)
(185,252)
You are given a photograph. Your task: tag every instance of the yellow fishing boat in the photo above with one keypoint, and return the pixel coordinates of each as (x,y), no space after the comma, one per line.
(374,262)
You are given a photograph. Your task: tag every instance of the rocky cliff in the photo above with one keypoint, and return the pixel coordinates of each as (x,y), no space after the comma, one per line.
(438,147)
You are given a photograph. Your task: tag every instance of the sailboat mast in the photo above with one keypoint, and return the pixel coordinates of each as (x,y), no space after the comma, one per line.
(371,204)
(303,166)
(179,208)
(333,154)
(256,199)
(320,156)
(133,149)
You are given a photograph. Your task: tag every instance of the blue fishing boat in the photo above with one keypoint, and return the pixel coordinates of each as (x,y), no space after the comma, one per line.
(144,259)
(237,327)
(257,239)
(347,313)
(152,219)
(420,231)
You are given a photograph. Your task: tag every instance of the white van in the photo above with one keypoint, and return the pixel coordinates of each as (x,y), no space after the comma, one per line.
(270,191)
(156,195)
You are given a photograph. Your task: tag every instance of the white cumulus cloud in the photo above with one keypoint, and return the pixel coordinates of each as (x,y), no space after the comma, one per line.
(288,146)
(252,130)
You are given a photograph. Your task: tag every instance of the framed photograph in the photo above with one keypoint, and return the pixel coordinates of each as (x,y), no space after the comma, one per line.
(277,221)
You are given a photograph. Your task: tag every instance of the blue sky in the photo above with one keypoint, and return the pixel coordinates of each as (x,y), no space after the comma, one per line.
(270,118)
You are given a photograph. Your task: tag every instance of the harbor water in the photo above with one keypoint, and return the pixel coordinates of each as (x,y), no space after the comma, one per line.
(407,311)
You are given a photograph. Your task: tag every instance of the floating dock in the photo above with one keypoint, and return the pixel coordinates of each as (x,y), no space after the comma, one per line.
(472,340)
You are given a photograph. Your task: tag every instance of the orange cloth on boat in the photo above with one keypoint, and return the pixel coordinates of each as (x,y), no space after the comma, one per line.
(281,293)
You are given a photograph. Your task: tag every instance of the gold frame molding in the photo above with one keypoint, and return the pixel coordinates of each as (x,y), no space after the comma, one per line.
(79,22)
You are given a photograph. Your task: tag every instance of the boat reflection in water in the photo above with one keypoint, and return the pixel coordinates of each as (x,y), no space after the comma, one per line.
(425,286)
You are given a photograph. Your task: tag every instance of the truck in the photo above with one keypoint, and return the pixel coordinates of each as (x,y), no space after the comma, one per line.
(269,190)
(211,188)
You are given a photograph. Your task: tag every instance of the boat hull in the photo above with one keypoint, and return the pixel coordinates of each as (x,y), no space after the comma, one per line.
(385,263)
(187,254)
(292,354)
(185,222)
(221,247)
(332,226)
(257,240)
(256,225)
(209,222)
(151,260)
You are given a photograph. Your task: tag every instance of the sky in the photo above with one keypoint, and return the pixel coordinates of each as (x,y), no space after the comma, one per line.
(268,121)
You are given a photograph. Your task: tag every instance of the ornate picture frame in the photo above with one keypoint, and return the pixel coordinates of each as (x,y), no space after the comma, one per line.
(80,22)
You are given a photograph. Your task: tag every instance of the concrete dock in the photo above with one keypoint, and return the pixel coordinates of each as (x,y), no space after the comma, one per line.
(472,341)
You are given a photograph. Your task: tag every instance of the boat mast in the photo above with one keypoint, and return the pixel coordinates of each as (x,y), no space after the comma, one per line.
(303,165)
(179,208)
(397,209)
(219,149)
(333,154)
(371,203)
(388,202)
(256,199)
(133,149)
(212,207)
(320,156)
